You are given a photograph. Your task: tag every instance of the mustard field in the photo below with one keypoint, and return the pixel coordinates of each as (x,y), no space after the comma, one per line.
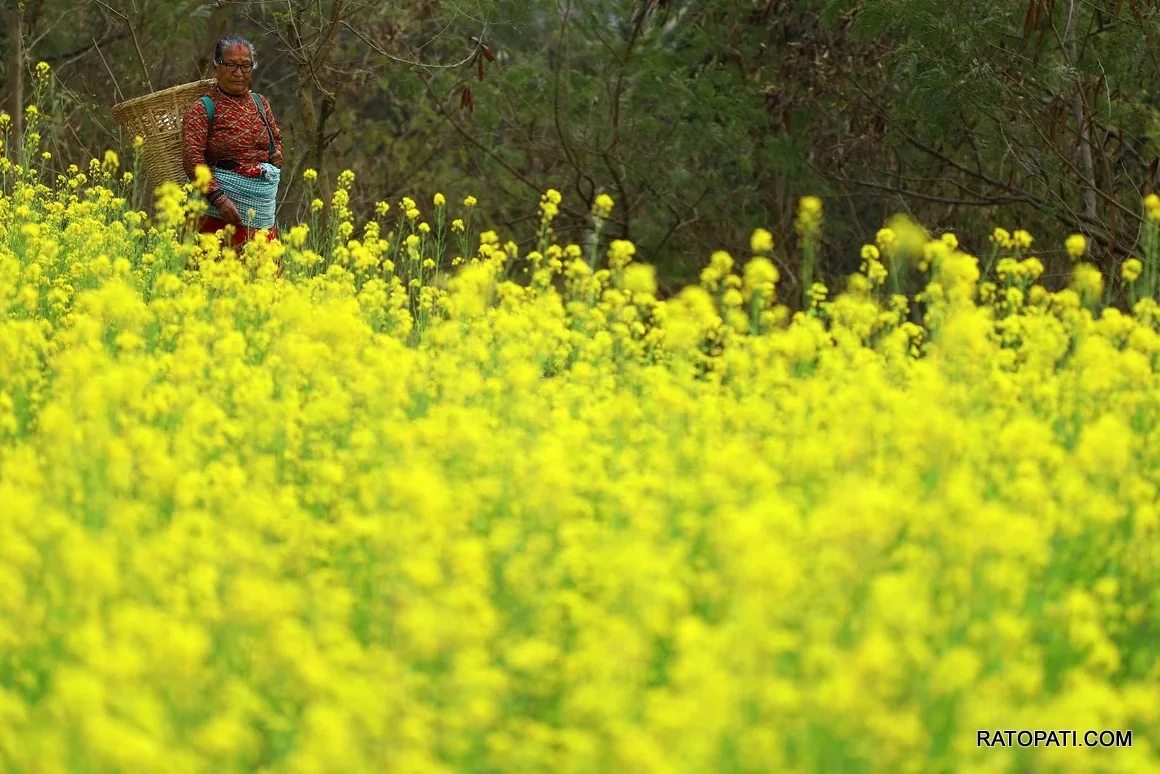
(403,496)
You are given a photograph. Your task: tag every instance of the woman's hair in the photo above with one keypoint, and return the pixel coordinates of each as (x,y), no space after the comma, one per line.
(226,41)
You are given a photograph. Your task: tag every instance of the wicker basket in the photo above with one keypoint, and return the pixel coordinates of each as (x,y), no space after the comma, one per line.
(157,118)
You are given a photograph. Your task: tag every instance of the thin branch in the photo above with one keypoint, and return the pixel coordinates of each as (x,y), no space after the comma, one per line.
(564,143)
(326,42)
(136,44)
(1069,216)
(681,221)
(1111,200)
(494,156)
(66,58)
(381,52)
(617,91)
(117,86)
(977,202)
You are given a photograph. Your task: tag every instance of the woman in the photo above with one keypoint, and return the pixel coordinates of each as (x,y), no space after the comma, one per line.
(232,131)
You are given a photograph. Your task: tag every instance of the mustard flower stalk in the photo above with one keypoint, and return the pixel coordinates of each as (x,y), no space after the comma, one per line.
(549,209)
(808,226)
(464,233)
(440,237)
(313,193)
(1150,252)
(601,211)
(1130,271)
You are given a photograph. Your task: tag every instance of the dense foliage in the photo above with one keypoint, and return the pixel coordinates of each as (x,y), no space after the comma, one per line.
(703,118)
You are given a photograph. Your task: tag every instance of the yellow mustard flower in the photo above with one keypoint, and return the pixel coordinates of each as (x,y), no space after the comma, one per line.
(761,242)
(1131,269)
(602,206)
(1076,246)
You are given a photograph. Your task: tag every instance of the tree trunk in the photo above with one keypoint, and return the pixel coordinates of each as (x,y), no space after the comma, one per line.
(313,123)
(219,23)
(1083,126)
(14,77)
(310,64)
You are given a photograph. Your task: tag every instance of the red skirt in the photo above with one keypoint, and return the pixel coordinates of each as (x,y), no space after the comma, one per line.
(210,225)
(242,234)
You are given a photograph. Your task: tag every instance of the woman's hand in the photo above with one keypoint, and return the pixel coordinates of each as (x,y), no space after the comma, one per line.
(229,211)
(276,159)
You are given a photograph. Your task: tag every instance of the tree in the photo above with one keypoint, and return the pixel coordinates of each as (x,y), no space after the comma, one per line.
(1043,105)
(14,74)
(703,119)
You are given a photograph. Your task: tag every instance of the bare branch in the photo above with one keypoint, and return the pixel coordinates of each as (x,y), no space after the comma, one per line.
(136,44)
(422,65)
(116,85)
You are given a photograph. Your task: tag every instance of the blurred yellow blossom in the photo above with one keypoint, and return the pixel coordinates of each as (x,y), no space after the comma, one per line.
(602,206)
(1152,206)
(1131,269)
(1076,246)
(761,242)
(316,499)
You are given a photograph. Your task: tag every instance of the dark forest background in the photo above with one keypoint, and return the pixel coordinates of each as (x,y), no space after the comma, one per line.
(704,119)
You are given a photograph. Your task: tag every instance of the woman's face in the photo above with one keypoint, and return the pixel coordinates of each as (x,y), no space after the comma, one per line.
(235,71)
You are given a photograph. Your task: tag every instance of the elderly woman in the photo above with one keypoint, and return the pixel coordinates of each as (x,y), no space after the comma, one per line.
(232,131)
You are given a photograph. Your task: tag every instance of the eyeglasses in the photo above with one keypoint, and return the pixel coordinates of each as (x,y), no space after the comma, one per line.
(245,67)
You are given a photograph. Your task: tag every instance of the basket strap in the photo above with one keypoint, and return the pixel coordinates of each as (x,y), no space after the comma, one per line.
(265,120)
(209,112)
(208,102)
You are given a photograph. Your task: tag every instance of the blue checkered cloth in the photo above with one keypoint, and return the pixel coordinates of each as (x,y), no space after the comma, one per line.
(259,194)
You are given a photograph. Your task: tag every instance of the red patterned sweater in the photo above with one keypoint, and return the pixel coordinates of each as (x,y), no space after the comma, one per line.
(239,134)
